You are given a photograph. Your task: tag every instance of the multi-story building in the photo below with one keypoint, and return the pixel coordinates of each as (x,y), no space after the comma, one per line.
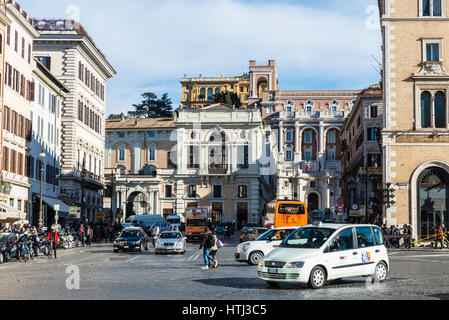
(362,157)
(415,125)
(18,94)
(216,157)
(307,124)
(4,22)
(66,49)
(199,92)
(46,114)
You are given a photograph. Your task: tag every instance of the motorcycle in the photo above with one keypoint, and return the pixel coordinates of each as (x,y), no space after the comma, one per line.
(23,250)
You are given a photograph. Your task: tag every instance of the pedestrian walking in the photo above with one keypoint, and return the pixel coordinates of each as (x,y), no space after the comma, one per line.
(82,235)
(89,235)
(214,248)
(54,238)
(439,237)
(206,244)
(155,232)
(433,238)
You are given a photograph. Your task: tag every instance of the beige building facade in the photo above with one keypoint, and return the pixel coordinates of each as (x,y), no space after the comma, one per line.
(415,125)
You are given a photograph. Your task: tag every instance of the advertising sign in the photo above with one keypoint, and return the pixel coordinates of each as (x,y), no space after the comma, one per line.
(73,212)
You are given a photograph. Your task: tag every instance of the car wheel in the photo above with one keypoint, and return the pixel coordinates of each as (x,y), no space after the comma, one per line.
(272,284)
(6,257)
(317,278)
(2,259)
(255,257)
(381,272)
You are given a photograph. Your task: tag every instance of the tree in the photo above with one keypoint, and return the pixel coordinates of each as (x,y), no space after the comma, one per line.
(152,106)
(229,98)
(113,116)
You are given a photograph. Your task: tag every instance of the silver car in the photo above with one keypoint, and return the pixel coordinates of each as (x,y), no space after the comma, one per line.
(170,241)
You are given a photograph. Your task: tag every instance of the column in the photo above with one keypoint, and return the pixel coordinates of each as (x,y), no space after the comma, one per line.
(297,157)
(136,163)
(281,141)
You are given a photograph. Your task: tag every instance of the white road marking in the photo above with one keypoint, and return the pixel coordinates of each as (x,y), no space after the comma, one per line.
(195,256)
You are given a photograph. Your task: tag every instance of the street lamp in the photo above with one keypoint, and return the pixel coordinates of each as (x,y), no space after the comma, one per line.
(41,212)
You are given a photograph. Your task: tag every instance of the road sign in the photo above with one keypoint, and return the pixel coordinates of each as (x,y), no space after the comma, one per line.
(340,201)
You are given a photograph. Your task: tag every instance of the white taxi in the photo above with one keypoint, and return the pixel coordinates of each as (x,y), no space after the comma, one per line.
(314,254)
(252,251)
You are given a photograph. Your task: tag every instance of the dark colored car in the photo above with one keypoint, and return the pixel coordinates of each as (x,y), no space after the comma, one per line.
(220,228)
(8,246)
(252,234)
(132,239)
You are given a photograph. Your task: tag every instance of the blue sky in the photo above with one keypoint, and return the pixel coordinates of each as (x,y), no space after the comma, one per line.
(317,44)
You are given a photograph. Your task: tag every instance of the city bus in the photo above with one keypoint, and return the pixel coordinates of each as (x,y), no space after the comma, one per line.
(286,213)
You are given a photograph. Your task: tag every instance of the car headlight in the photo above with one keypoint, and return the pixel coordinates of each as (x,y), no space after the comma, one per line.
(295,264)
(179,244)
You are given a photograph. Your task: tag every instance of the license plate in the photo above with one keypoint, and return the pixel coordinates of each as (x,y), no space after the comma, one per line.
(273,270)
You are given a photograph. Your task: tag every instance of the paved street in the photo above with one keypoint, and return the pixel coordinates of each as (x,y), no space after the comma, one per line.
(415,274)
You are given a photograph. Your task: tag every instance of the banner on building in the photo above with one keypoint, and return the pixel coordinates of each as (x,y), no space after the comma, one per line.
(73,212)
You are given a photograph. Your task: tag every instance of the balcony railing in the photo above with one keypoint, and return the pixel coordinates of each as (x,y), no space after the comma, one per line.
(218,169)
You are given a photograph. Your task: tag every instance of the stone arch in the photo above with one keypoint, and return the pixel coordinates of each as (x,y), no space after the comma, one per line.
(413,194)
(315,196)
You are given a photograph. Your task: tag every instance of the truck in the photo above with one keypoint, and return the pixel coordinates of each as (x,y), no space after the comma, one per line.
(196,223)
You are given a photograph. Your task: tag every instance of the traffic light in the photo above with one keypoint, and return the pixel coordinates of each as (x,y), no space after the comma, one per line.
(388,196)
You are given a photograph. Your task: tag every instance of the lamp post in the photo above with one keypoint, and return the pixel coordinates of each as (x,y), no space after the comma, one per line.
(41,211)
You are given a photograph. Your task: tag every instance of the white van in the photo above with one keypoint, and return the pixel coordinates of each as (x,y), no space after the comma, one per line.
(174,220)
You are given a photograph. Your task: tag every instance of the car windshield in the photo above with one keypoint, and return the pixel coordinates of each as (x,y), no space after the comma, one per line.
(272,235)
(174,220)
(311,237)
(196,222)
(129,233)
(171,235)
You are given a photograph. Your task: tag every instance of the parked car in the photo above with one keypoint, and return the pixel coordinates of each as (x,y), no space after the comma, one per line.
(252,234)
(249,226)
(252,251)
(170,241)
(315,254)
(132,239)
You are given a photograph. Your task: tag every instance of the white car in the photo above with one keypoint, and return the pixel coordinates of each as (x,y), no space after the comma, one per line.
(318,253)
(252,251)
(170,241)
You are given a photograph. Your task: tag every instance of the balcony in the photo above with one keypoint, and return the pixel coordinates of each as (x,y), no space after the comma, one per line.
(218,169)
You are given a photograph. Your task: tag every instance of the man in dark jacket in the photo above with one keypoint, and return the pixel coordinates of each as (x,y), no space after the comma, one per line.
(207,243)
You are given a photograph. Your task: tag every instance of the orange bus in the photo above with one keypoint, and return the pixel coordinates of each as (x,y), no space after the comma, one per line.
(286,213)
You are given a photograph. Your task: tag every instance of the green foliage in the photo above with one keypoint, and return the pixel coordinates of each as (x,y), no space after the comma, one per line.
(152,106)
(229,98)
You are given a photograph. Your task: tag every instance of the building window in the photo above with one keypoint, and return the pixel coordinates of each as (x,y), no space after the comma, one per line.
(425,109)
(288,136)
(192,191)
(121,155)
(243,159)
(121,135)
(373,134)
(331,137)
(331,155)
(440,110)
(373,112)
(269,109)
(243,191)
(308,155)
(210,94)
(432,52)
(151,154)
(308,137)
(431,8)
(168,191)
(217,191)
(288,155)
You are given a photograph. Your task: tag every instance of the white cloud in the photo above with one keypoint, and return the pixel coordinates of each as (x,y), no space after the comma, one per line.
(154,42)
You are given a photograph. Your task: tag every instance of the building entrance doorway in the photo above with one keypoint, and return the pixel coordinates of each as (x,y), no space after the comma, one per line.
(433,188)
(242,214)
(312,202)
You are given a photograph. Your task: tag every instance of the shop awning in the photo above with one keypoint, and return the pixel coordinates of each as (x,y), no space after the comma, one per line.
(8,213)
(63,208)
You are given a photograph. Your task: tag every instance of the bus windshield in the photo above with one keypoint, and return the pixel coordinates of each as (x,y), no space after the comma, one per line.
(291,208)
(196,222)
(309,237)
